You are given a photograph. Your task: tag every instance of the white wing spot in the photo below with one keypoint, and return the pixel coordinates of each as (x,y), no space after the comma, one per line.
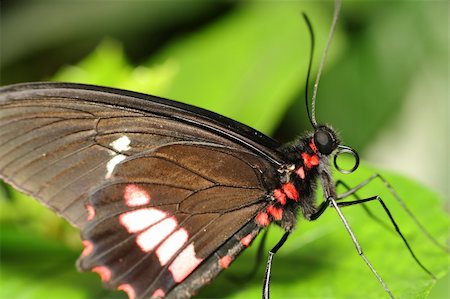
(112,164)
(121,144)
(171,245)
(137,220)
(135,196)
(153,236)
(184,264)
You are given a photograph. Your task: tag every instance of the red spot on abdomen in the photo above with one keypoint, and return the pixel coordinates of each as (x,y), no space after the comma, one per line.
(290,191)
(247,240)
(262,219)
(159,293)
(277,213)
(279,196)
(105,273)
(300,172)
(127,289)
(309,160)
(88,248)
(225,261)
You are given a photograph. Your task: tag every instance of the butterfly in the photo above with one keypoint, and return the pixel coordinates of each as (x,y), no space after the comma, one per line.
(165,195)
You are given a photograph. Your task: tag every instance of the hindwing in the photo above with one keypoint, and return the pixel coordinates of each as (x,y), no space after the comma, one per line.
(168,211)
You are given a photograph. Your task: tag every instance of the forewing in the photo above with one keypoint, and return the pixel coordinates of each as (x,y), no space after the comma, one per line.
(59,141)
(173,217)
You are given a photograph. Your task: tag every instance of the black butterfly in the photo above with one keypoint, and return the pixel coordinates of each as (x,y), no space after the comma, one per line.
(166,195)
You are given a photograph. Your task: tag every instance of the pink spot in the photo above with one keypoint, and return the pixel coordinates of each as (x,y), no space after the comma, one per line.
(300,172)
(105,273)
(277,213)
(262,219)
(135,196)
(309,160)
(90,211)
(171,245)
(225,261)
(127,289)
(159,293)
(88,248)
(184,264)
(290,190)
(247,240)
(138,220)
(279,196)
(150,238)
(312,145)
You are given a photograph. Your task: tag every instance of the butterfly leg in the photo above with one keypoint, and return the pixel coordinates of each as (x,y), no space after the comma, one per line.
(394,223)
(358,246)
(363,205)
(266,291)
(372,178)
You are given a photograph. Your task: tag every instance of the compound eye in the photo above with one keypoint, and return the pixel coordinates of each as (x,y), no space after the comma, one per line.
(324,142)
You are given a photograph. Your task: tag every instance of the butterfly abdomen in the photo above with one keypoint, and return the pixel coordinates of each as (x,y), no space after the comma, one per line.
(296,189)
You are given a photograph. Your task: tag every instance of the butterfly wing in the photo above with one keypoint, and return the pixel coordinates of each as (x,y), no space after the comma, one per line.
(111,162)
(58,140)
(168,211)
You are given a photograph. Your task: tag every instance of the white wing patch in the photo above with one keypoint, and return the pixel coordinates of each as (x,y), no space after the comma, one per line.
(112,164)
(122,144)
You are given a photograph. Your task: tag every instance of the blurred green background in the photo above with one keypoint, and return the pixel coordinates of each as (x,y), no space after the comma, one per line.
(384,88)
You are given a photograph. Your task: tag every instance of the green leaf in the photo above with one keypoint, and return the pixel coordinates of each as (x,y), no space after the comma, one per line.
(37,266)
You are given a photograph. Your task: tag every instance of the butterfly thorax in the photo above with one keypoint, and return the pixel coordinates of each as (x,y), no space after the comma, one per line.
(304,165)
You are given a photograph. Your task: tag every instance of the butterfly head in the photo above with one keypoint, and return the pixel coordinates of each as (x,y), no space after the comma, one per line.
(327,142)
(325,139)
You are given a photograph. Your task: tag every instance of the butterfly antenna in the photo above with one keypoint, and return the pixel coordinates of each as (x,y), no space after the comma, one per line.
(308,75)
(337,8)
